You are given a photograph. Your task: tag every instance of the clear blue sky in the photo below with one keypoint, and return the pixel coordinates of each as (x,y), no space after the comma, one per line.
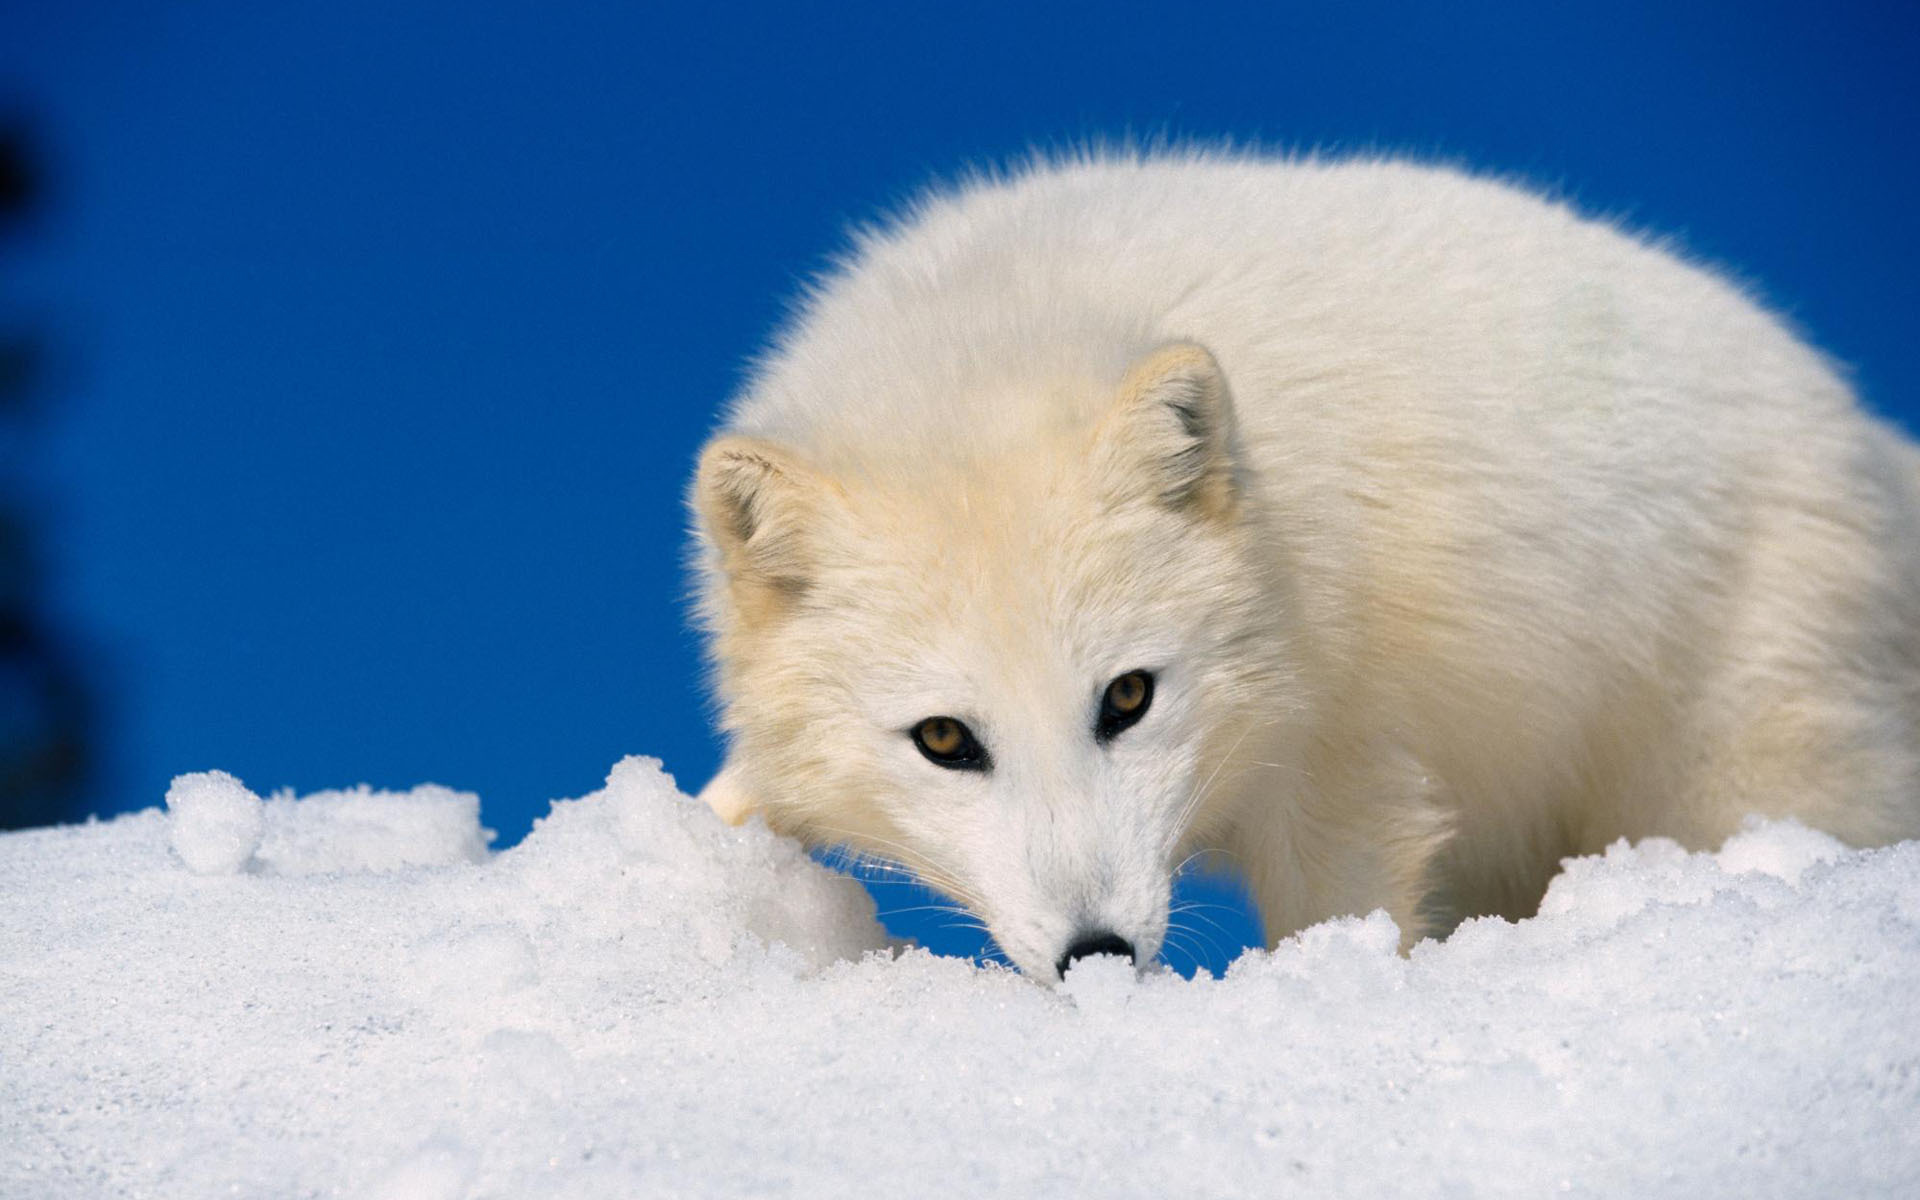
(388,330)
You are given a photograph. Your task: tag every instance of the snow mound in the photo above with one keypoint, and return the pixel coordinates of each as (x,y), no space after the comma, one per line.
(365,830)
(218,827)
(216,822)
(348,995)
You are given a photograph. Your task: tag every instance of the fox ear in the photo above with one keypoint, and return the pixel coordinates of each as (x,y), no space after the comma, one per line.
(1170,435)
(755,501)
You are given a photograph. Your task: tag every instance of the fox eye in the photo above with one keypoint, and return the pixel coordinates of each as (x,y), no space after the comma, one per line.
(948,743)
(1125,702)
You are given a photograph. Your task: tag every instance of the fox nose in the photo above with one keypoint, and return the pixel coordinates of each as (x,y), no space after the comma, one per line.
(1099,941)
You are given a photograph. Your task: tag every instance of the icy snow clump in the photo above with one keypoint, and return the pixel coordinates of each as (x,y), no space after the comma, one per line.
(349,994)
(215,822)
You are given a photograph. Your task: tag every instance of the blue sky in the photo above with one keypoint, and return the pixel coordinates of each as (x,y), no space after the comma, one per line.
(387,332)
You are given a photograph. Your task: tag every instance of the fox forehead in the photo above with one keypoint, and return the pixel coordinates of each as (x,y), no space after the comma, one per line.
(969,599)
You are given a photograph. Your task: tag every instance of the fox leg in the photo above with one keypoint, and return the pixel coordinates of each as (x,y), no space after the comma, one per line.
(727,796)
(1368,834)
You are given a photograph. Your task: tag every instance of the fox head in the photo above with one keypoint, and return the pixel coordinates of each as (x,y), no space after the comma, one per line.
(1018,673)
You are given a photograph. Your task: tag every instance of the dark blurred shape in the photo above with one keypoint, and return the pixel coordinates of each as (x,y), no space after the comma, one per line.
(16,172)
(46,709)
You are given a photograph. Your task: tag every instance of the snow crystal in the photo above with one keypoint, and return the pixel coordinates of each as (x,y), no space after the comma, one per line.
(1099,985)
(366,830)
(1784,850)
(439,1170)
(215,822)
(639,1000)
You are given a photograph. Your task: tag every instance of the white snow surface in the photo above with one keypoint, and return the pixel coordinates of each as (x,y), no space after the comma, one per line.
(349,995)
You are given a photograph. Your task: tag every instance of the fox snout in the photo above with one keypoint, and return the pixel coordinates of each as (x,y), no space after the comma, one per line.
(1044,930)
(1046,949)
(1089,944)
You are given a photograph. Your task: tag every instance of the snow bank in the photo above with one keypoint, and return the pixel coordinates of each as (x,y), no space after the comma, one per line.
(347,995)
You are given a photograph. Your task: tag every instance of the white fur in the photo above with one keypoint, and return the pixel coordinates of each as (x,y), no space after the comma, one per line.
(1484,535)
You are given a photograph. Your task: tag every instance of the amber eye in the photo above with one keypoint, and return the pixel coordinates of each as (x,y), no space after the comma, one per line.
(948,743)
(1126,701)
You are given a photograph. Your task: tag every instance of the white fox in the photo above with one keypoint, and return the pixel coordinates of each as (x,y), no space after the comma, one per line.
(1392,531)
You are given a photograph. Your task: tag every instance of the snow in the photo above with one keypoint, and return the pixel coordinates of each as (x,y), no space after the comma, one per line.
(350,995)
(218,827)
(216,823)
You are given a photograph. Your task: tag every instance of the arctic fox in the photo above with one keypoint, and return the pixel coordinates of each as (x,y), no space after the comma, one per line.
(1393,531)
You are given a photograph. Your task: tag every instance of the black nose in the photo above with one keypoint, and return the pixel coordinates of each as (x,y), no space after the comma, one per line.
(1087,945)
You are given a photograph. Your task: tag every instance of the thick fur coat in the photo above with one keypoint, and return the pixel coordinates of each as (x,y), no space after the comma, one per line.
(1456,532)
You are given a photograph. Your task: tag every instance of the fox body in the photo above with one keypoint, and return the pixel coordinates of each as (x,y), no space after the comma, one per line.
(1446,532)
